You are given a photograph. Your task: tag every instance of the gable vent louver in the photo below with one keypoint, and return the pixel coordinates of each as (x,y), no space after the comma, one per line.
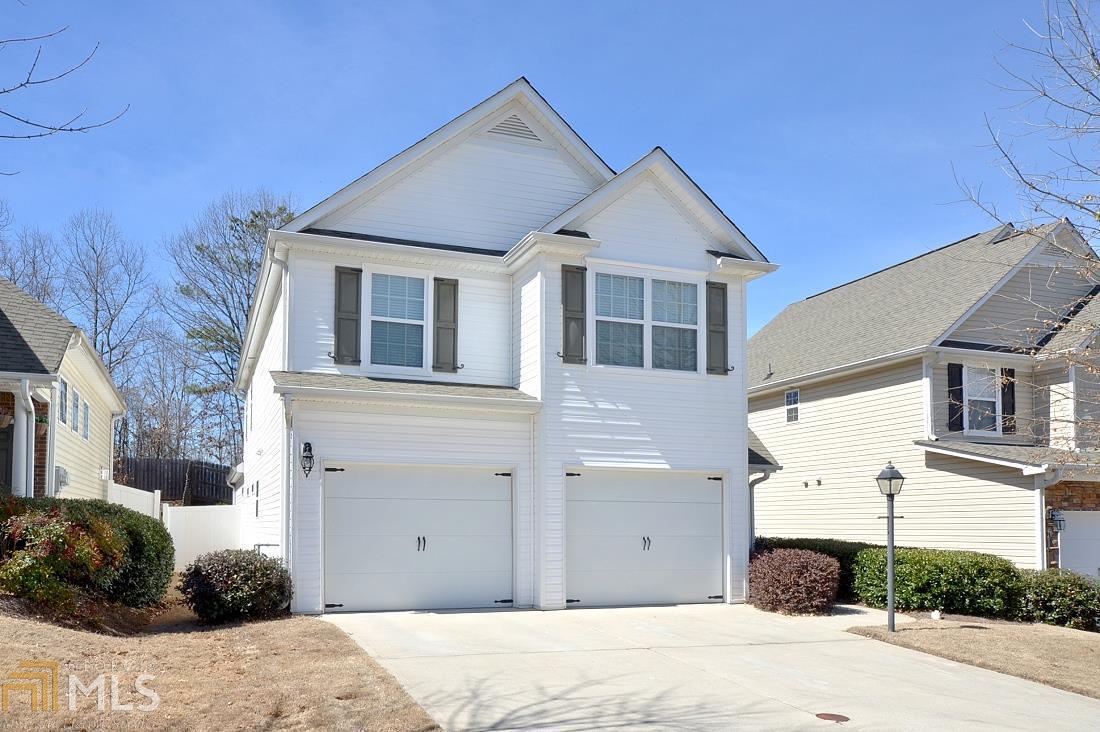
(513,126)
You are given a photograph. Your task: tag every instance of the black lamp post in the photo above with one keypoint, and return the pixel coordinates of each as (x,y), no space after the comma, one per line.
(889,484)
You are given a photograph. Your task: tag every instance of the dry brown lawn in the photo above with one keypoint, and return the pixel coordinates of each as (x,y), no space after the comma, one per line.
(1059,657)
(296,673)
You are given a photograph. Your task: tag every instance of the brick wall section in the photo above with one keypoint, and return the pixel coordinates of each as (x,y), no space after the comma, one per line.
(1068,495)
(41,448)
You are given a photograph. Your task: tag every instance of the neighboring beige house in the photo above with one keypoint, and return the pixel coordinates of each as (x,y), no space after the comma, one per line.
(57,404)
(958,366)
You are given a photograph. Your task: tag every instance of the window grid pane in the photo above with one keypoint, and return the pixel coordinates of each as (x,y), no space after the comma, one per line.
(674,348)
(396,344)
(394,296)
(791,398)
(618,344)
(675,302)
(619,296)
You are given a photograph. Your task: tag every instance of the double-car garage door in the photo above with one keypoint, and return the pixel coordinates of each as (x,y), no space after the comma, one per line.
(402,538)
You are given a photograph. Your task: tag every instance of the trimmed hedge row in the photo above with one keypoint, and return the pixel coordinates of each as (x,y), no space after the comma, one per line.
(966,583)
(102,548)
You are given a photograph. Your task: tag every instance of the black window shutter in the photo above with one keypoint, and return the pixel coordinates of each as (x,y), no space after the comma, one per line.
(717,329)
(954,397)
(348,313)
(1008,401)
(445,327)
(574,322)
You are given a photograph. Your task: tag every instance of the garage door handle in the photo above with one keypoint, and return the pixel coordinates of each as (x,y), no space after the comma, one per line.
(425,543)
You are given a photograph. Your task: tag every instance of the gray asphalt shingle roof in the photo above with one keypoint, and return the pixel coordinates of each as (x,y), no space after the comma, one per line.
(906,306)
(758,453)
(33,337)
(304,380)
(1074,334)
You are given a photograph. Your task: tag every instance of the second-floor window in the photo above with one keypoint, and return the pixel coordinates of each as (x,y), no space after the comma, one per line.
(982,399)
(624,318)
(790,403)
(397,320)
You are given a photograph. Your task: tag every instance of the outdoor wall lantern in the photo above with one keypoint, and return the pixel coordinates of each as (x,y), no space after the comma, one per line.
(1057,519)
(889,484)
(307,458)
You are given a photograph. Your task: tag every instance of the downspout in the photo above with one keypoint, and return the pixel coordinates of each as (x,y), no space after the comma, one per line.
(752,506)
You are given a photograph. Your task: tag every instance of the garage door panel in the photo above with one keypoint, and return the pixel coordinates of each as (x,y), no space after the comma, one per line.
(375,518)
(644,518)
(634,538)
(1080,542)
(417,516)
(426,590)
(644,588)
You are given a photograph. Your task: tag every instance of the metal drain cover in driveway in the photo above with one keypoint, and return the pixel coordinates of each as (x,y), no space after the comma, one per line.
(830,717)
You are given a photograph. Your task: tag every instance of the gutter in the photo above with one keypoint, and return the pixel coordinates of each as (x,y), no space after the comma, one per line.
(849,368)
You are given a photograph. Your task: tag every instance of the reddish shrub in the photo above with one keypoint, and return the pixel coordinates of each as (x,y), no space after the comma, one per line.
(794,581)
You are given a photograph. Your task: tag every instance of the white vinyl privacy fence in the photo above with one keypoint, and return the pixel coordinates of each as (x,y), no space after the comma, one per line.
(146,502)
(197,530)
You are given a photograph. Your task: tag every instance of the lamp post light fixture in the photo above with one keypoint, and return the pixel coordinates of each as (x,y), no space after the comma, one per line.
(307,458)
(889,484)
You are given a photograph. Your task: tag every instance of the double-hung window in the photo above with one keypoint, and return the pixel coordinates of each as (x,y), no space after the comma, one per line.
(790,403)
(86,429)
(676,303)
(75,424)
(63,406)
(631,310)
(397,320)
(620,320)
(981,399)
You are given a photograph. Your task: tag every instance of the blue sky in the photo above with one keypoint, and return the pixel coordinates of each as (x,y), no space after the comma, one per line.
(828,135)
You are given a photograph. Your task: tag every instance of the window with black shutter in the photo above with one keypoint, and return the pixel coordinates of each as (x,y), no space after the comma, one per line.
(349,302)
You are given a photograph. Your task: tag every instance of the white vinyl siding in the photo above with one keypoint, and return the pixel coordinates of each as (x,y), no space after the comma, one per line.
(485,191)
(859,423)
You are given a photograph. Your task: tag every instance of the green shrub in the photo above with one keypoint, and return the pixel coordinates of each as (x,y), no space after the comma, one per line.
(236,584)
(966,583)
(1060,597)
(793,581)
(137,548)
(47,555)
(843,551)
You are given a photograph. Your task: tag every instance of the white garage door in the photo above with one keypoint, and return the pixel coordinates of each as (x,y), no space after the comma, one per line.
(1080,549)
(642,538)
(412,538)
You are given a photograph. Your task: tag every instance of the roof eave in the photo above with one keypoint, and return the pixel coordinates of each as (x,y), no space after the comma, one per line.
(393,398)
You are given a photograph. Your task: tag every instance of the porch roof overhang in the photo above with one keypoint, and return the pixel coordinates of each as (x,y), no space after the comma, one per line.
(1029,459)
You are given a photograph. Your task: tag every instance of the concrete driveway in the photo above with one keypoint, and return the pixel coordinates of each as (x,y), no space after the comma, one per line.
(690,667)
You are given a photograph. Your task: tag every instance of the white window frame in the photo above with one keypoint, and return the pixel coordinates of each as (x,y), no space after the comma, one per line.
(63,401)
(647,276)
(788,407)
(996,431)
(381,369)
(86,415)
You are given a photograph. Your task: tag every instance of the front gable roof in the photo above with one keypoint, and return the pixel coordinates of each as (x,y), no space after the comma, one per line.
(33,338)
(659,167)
(901,309)
(505,114)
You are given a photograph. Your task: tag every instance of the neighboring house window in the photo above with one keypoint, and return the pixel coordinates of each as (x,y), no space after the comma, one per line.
(790,401)
(63,411)
(620,320)
(675,348)
(982,399)
(397,320)
(87,420)
(76,411)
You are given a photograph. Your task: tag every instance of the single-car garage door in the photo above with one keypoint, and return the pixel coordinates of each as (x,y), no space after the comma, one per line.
(1080,542)
(412,538)
(641,538)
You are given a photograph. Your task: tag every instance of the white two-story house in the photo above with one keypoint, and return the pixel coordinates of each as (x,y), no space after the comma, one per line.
(493,372)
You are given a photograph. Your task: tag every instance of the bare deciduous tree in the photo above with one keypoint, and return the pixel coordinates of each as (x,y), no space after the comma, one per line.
(107,287)
(31,259)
